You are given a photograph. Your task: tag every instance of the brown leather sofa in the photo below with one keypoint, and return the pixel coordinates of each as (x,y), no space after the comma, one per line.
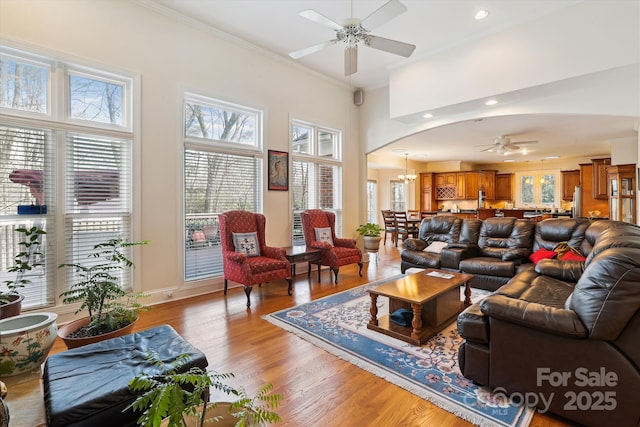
(564,335)
(492,250)
(440,228)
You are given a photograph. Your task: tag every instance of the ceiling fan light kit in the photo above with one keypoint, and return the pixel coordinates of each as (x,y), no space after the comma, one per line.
(354,32)
(503,146)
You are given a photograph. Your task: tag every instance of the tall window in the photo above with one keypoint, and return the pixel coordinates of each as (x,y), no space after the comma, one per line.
(538,189)
(316,177)
(91,133)
(222,171)
(398,196)
(372,202)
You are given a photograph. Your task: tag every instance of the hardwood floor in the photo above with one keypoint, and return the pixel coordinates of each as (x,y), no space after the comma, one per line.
(318,389)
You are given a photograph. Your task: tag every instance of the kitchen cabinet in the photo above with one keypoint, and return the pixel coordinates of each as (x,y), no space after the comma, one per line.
(622,192)
(471,185)
(569,181)
(460,186)
(446,179)
(504,186)
(487,183)
(589,203)
(445,186)
(427,193)
(600,178)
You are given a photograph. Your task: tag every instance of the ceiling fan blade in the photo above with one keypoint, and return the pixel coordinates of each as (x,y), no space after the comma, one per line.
(351,60)
(311,49)
(385,13)
(524,142)
(316,17)
(391,46)
(488,149)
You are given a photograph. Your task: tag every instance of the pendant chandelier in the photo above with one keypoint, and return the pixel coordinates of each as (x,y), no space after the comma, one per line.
(407,177)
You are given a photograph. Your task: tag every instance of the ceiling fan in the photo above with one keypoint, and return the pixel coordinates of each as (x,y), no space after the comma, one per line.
(354,32)
(503,145)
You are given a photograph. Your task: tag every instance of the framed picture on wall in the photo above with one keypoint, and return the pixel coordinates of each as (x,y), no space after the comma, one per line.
(278,170)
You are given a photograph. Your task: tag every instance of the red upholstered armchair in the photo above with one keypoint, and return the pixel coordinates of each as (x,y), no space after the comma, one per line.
(246,257)
(319,228)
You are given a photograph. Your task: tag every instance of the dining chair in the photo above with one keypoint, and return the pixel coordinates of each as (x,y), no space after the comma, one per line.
(413,213)
(427,214)
(389,225)
(405,227)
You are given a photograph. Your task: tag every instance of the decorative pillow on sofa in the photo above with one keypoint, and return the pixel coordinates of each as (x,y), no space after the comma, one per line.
(571,256)
(324,235)
(436,247)
(246,243)
(541,254)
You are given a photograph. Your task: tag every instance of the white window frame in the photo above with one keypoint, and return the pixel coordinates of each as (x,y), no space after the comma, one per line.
(317,160)
(215,146)
(403,198)
(105,77)
(38,61)
(537,188)
(59,126)
(228,106)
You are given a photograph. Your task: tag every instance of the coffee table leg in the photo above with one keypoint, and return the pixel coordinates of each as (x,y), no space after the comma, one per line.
(374,309)
(417,321)
(467,294)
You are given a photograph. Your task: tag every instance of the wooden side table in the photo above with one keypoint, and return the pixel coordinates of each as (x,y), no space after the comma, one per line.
(297,254)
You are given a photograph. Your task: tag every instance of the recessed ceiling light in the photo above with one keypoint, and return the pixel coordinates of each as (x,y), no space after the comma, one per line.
(509,160)
(491,102)
(552,157)
(428,116)
(399,150)
(481,14)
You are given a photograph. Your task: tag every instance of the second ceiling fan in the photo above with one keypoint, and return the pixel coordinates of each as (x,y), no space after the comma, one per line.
(354,32)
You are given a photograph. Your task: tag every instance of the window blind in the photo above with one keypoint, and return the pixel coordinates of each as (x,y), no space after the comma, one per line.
(315,186)
(215,183)
(97,197)
(27,162)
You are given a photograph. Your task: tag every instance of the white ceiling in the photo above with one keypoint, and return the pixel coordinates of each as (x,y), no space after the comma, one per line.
(433,26)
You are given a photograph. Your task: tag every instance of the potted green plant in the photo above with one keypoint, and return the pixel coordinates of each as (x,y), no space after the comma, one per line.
(177,399)
(28,258)
(370,233)
(112,311)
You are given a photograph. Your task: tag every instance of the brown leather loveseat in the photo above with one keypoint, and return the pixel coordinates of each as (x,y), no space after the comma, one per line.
(564,335)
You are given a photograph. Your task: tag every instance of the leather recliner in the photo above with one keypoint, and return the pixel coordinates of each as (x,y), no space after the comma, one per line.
(503,245)
(565,332)
(440,228)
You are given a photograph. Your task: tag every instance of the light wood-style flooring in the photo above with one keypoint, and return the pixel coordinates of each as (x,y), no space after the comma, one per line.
(318,388)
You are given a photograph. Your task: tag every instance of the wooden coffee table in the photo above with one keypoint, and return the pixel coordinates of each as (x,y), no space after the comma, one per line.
(435,302)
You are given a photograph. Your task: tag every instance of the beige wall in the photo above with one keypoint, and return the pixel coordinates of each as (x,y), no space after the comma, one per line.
(173,56)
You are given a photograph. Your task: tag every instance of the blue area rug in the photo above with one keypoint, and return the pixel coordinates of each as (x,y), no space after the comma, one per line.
(337,324)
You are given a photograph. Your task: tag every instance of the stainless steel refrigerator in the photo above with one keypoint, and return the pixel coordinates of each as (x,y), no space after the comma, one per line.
(577,202)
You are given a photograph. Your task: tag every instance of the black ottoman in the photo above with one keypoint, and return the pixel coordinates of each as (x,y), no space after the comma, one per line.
(89,386)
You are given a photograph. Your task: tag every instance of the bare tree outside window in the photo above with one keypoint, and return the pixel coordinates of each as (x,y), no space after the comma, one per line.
(95,100)
(23,86)
(214,181)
